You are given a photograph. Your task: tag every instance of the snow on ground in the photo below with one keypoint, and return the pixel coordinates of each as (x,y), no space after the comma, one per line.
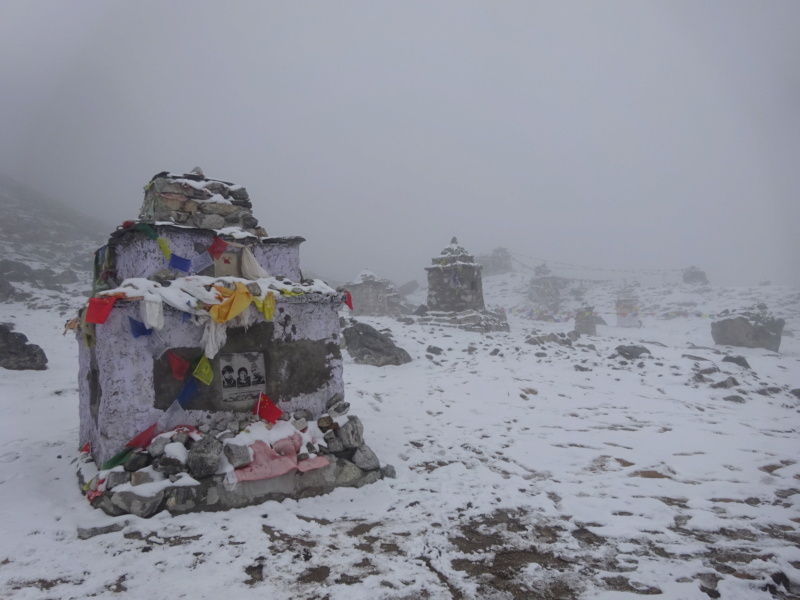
(518,476)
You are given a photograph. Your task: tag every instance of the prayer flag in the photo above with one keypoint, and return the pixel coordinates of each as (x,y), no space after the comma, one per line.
(203,371)
(178,365)
(99,308)
(348,300)
(233,305)
(138,328)
(162,242)
(188,392)
(217,247)
(265,409)
(180,263)
(117,460)
(87,447)
(148,231)
(269,306)
(144,439)
(201,262)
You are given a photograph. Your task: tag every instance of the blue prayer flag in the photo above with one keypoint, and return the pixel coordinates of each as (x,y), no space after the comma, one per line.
(188,392)
(138,329)
(180,263)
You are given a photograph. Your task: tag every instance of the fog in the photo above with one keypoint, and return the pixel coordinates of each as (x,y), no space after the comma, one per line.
(614,135)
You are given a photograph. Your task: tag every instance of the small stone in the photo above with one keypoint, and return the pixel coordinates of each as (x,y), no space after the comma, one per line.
(335,399)
(734,398)
(435,350)
(726,384)
(141,506)
(85,533)
(302,456)
(325,422)
(254,289)
(163,275)
(334,444)
(156,447)
(365,459)
(737,360)
(632,352)
(137,461)
(285,416)
(300,424)
(145,476)
(339,409)
(389,472)
(302,414)
(180,438)
(117,477)
(204,457)
(204,428)
(540,354)
(311,448)
(352,433)
(237,454)
(233,426)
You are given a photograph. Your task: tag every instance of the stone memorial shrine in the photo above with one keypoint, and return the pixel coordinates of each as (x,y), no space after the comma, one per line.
(370,295)
(210,371)
(455,292)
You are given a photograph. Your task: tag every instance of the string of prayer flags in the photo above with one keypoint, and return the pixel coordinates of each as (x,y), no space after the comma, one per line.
(180,263)
(188,392)
(201,262)
(236,301)
(144,439)
(348,300)
(217,247)
(203,371)
(178,365)
(118,459)
(138,329)
(265,409)
(99,308)
(162,242)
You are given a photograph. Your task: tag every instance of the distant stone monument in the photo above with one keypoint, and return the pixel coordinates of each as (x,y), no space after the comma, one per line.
(585,322)
(370,295)
(628,309)
(454,280)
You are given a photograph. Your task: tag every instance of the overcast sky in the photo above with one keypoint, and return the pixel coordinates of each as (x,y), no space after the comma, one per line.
(611,134)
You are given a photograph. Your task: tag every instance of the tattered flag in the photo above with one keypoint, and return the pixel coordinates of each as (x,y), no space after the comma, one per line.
(99,308)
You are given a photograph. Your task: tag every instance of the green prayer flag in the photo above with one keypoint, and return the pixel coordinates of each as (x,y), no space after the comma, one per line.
(148,231)
(118,459)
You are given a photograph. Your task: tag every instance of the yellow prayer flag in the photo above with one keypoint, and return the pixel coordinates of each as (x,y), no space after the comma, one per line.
(291,293)
(162,242)
(269,306)
(203,371)
(235,303)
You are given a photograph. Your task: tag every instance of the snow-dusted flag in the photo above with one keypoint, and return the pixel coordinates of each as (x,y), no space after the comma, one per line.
(138,328)
(202,261)
(217,247)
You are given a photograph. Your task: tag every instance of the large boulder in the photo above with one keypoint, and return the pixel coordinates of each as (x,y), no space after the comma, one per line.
(17,354)
(368,346)
(741,332)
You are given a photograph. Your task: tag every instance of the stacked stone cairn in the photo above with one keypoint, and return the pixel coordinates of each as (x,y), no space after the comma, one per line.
(180,469)
(195,201)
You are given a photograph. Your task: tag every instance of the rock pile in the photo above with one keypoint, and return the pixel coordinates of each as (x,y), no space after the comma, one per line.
(748,333)
(216,467)
(480,321)
(195,201)
(17,353)
(368,346)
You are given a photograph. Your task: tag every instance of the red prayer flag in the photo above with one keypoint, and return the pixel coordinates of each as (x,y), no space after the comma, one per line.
(217,247)
(348,300)
(144,439)
(178,365)
(87,447)
(99,308)
(265,409)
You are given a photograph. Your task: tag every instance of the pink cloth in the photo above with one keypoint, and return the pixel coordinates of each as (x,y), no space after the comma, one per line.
(278,460)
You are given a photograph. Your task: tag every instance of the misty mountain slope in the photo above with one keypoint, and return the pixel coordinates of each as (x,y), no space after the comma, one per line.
(523,471)
(47,248)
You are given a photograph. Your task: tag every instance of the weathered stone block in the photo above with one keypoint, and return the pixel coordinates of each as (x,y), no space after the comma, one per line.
(204,457)
(365,459)
(141,506)
(351,433)
(238,455)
